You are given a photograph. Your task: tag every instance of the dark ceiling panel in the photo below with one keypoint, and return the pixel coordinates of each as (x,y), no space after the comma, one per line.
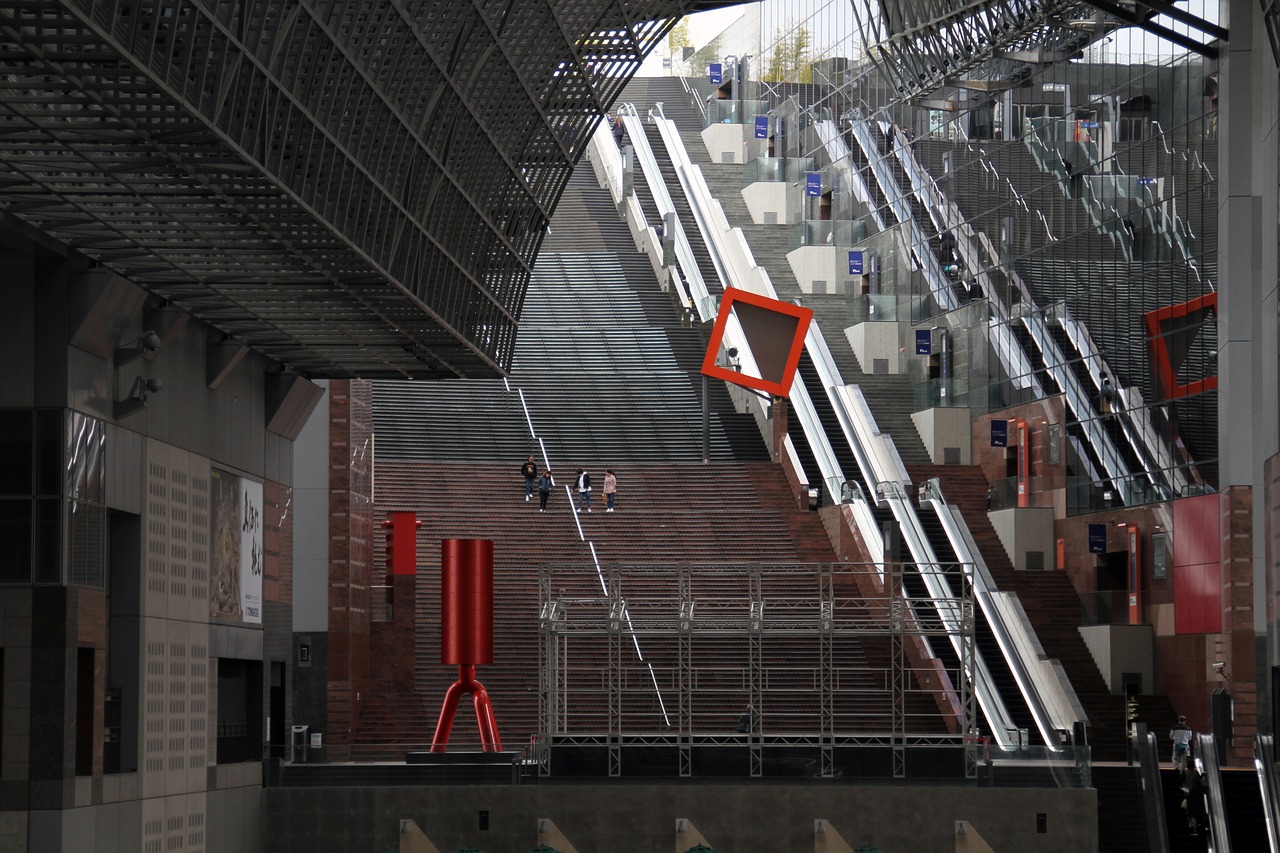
(349,188)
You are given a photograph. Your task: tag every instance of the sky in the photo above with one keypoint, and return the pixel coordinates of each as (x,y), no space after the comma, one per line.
(703,27)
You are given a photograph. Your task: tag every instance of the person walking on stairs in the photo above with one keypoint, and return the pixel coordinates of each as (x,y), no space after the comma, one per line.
(545,484)
(583,486)
(529,470)
(610,488)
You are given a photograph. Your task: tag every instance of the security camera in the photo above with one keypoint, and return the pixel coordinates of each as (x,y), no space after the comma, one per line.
(155,385)
(1219,666)
(147,345)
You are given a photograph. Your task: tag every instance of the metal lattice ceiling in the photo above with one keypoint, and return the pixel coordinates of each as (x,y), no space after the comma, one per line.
(350,188)
(927,45)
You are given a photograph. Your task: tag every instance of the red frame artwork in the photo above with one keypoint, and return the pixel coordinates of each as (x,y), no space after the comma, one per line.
(781,385)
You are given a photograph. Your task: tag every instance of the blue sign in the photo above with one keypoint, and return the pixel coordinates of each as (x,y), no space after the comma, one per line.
(924,342)
(999,433)
(855,263)
(813,183)
(716,70)
(1088,124)
(762,127)
(1146,182)
(1097,538)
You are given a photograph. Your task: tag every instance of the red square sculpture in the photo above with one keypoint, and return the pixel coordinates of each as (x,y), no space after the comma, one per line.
(775,333)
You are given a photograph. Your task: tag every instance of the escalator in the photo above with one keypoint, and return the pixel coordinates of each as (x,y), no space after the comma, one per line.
(1036,359)
(858,160)
(684,214)
(1234,801)
(1242,803)
(922,603)
(648,205)
(1133,463)
(984,640)
(1182,838)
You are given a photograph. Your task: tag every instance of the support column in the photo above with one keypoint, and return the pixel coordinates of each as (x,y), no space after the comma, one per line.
(1247,333)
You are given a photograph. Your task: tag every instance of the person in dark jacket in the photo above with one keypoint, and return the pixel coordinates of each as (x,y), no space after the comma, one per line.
(1197,814)
(545,484)
(529,470)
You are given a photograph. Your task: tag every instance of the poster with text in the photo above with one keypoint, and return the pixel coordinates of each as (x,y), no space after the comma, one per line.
(235,577)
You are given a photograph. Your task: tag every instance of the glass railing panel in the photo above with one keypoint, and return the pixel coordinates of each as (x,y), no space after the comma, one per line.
(1003,494)
(762,169)
(1085,495)
(845,233)
(728,111)
(796,168)
(940,394)
(873,307)
(1029,766)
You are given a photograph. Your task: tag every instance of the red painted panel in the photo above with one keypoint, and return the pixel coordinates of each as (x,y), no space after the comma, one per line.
(402,542)
(1197,592)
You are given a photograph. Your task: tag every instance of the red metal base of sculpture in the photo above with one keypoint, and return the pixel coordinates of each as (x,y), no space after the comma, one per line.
(467,684)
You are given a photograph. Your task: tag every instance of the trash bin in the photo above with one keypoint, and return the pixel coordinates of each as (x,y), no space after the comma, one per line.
(300,740)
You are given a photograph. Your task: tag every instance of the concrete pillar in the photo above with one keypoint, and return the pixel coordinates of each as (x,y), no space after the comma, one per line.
(1247,326)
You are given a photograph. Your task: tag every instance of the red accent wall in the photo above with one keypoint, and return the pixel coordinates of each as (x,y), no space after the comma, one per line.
(404,533)
(1197,582)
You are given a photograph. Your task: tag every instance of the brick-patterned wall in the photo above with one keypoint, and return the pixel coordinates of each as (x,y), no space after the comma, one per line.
(1239,650)
(350,553)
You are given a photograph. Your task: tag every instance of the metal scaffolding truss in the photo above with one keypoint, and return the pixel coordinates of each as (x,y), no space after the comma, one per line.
(924,46)
(822,665)
(350,188)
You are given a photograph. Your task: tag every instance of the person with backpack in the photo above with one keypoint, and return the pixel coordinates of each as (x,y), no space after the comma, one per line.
(1181,736)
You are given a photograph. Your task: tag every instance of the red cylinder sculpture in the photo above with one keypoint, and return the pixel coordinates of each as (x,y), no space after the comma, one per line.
(466,634)
(466,601)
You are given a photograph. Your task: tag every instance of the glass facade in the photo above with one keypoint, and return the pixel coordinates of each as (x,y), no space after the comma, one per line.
(1053,211)
(53,497)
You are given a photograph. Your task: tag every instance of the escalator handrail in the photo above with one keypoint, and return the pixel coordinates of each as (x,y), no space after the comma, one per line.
(917,544)
(1269,781)
(1211,771)
(1081,403)
(939,284)
(1052,700)
(936,204)
(1153,794)
(606,157)
(1134,415)
(703,304)
(695,192)
(710,220)
(949,611)
(841,158)
(1016,363)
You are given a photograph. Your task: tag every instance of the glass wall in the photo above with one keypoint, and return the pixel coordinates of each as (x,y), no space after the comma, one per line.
(1076,201)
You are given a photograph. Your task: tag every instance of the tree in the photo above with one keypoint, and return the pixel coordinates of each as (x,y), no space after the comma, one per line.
(789,60)
(678,38)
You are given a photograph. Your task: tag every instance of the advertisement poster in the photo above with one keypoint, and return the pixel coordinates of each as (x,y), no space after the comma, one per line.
(235,576)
